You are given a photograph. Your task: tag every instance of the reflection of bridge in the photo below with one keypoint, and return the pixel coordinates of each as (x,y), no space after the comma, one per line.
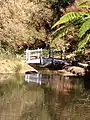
(33,77)
(36,77)
(57,82)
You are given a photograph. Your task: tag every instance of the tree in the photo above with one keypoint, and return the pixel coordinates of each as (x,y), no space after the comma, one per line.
(24,21)
(77,22)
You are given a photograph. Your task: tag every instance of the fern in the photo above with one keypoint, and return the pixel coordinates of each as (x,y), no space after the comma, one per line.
(84,28)
(82,43)
(83,4)
(80,21)
(62,30)
(69,17)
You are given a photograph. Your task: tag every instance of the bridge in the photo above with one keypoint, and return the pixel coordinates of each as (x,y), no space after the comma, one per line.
(42,56)
(34,56)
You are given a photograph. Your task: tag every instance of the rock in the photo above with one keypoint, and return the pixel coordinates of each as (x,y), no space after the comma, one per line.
(83,65)
(66,73)
(77,70)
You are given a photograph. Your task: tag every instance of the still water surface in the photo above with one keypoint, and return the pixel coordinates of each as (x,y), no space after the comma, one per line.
(58,98)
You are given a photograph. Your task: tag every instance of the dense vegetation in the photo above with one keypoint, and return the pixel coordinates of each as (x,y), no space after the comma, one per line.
(28,23)
(76,24)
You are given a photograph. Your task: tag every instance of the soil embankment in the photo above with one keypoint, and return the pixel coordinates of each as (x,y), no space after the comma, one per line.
(19,66)
(14,66)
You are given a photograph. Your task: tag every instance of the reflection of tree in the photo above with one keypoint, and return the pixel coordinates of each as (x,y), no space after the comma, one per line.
(35,110)
(20,101)
(72,105)
(59,99)
(87,82)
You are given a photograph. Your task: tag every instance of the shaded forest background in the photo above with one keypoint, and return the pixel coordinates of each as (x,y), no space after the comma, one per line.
(27,23)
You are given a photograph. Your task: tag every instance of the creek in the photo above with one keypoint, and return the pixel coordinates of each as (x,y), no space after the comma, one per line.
(57,98)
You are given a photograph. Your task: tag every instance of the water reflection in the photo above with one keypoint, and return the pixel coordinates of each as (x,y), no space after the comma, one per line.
(87,82)
(56,98)
(58,82)
(72,106)
(33,77)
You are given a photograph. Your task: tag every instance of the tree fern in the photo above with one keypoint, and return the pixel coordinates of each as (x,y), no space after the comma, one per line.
(83,42)
(84,28)
(62,30)
(84,4)
(81,22)
(69,17)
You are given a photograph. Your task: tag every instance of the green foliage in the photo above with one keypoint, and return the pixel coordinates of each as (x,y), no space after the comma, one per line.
(80,21)
(84,28)
(80,56)
(84,4)
(83,42)
(61,31)
(69,17)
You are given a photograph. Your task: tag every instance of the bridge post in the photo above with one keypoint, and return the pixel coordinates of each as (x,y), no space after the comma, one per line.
(61,52)
(38,54)
(41,59)
(27,55)
(52,54)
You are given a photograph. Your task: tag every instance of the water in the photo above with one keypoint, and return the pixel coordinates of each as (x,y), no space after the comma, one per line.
(56,98)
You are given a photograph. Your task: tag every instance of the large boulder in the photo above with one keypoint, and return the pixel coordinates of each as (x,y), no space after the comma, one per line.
(77,70)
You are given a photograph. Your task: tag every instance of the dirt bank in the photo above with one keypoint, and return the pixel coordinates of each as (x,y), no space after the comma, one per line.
(14,66)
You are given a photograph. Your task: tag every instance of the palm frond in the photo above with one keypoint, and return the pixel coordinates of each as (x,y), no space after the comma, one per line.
(69,17)
(85,6)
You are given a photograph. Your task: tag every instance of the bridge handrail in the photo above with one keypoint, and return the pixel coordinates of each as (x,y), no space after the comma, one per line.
(36,50)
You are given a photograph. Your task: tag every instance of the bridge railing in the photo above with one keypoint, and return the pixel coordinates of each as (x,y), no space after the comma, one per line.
(39,55)
(34,56)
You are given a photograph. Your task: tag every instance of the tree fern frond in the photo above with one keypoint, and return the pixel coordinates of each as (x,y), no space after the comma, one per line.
(84,28)
(86,17)
(84,4)
(82,43)
(62,30)
(69,17)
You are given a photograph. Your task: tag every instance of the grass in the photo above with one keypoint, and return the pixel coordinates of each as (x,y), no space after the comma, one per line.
(17,68)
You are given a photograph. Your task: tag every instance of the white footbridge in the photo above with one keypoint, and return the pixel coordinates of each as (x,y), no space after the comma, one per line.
(38,56)
(42,56)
